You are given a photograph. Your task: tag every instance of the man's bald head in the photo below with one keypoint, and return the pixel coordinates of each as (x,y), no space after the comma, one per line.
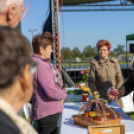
(10,12)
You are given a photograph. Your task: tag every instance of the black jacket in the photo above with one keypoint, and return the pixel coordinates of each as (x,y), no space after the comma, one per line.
(128,86)
(7,126)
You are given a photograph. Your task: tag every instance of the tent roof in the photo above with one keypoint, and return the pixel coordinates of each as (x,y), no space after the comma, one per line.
(77,2)
(130,37)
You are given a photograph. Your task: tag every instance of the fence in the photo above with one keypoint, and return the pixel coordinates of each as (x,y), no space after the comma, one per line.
(73,69)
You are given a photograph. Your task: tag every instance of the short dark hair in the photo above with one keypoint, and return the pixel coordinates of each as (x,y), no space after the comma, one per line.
(44,40)
(15,53)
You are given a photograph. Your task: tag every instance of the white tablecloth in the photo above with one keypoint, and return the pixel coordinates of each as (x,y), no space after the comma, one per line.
(68,127)
(127,100)
(128,103)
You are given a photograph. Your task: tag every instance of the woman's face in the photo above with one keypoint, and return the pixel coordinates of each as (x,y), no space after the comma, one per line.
(46,53)
(103,52)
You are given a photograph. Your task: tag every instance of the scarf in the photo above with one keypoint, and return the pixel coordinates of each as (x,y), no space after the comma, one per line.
(103,61)
(58,79)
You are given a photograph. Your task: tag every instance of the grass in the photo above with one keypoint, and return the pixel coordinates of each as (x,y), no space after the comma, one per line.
(83,64)
(57,130)
(124,62)
(75,64)
(131,115)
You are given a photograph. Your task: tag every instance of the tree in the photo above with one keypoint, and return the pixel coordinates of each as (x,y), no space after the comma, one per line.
(76,52)
(112,53)
(119,50)
(66,53)
(89,51)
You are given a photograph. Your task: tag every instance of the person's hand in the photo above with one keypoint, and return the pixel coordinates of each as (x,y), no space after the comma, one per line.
(63,100)
(95,92)
(111,97)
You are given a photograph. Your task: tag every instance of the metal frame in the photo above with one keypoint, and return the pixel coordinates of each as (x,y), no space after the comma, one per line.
(55,32)
(116,5)
(96,8)
(52,6)
(122,5)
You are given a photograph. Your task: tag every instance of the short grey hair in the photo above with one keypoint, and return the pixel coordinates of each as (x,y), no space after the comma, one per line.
(4,4)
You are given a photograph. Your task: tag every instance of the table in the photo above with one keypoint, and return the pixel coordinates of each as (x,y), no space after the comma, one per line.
(67,125)
(72,97)
(127,100)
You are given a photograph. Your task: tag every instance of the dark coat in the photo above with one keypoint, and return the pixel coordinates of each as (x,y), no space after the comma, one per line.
(7,126)
(128,86)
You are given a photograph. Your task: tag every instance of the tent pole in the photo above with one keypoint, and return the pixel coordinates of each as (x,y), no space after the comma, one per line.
(126,58)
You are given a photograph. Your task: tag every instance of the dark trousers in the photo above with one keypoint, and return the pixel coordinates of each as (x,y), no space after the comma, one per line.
(48,125)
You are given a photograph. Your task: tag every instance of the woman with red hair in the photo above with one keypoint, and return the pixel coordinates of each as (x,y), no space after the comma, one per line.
(105,72)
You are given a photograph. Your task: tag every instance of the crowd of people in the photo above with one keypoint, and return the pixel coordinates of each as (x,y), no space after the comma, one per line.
(26,74)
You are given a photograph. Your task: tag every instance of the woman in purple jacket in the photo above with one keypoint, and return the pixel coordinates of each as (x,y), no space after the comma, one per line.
(47,96)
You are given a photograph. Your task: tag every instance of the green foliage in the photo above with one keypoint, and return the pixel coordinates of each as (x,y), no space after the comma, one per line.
(85,78)
(88,52)
(76,52)
(119,50)
(131,115)
(112,53)
(78,83)
(57,131)
(85,74)
(66,53)
(75,92)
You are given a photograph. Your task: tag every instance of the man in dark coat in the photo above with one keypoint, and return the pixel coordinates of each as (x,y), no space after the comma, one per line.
(126,88)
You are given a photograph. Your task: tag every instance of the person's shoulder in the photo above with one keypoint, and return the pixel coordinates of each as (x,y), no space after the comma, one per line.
(7,126)
(113,59)
(42,62)
(37,58)
(95,60)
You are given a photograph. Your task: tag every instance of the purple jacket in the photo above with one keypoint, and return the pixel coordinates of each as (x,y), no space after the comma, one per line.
(47,94)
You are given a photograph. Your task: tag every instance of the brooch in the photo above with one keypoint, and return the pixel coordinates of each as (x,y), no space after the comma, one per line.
(102,64)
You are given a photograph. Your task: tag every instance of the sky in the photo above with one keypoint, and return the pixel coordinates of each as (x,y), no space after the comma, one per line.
(79,29)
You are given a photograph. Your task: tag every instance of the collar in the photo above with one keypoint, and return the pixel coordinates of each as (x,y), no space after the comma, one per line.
(4,105)
(40,57)
(103,61)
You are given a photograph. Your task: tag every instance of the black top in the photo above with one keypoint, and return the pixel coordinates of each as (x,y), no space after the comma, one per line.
(7,126)
(128,86)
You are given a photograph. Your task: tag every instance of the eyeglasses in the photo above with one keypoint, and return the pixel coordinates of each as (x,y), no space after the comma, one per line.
(25,11)
(102,50)
(34,66)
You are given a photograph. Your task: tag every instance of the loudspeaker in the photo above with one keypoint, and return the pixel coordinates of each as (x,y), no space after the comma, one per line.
(131,48)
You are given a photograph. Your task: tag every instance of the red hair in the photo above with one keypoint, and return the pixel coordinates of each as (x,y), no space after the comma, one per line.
(102,43)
